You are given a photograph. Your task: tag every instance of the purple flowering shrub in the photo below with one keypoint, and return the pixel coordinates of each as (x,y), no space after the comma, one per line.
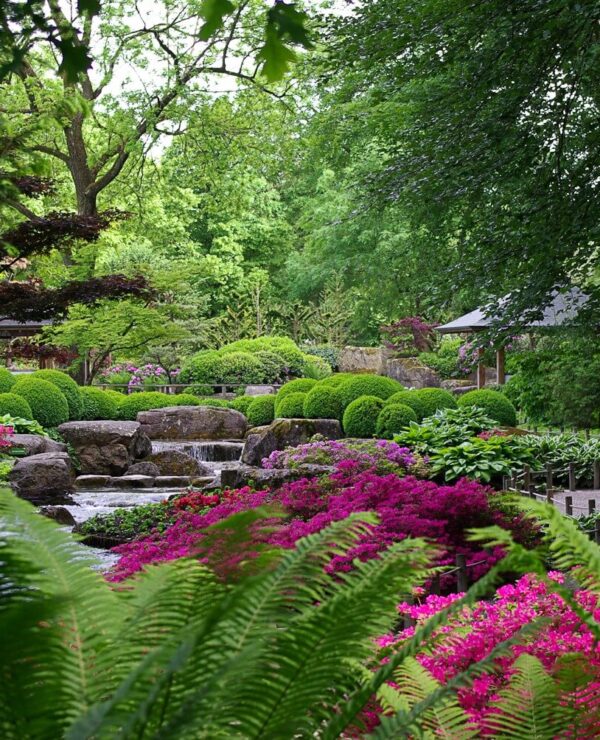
(379,456)
(145,376)
(470,635)
(406,507)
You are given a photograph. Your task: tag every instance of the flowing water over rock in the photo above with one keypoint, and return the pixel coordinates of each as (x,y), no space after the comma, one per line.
(216,454)
(89,503)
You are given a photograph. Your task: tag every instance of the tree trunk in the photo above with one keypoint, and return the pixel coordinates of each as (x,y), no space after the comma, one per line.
(79,168)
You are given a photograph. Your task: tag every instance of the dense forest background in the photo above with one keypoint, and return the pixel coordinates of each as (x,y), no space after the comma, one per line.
(394,159)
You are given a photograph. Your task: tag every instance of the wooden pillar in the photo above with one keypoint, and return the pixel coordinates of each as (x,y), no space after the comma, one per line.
(480,368)
(500,370)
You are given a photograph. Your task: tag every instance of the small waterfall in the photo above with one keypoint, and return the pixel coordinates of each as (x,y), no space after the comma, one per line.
(204,452)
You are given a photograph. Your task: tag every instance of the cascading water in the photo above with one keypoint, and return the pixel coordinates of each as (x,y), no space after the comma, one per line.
(216,455)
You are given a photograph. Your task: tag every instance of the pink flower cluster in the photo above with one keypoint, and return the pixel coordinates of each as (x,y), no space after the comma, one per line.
(406,507)
(470,636)
(5,433)
(134,377)
(380,456)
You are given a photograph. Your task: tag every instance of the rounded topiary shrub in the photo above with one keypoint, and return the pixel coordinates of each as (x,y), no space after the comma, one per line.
(323,403)
(495,404)
(241,403)
(300,385)
(434,399)
(393,418)
(335,380)
(67,386)
(98,404)
(131,405)
(291,406)
(15,406)
(368,385)
(360,416)
(48,405)
(411,399)
(261,411)
(185,399)
(7,380)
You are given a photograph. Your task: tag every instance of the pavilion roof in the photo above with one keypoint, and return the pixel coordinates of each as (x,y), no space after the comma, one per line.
(562,307)
(9,328)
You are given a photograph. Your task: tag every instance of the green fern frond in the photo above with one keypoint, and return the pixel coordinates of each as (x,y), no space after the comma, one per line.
(529,706)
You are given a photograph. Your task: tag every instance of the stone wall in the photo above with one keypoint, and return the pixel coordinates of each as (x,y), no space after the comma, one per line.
(407,370)
(363,360)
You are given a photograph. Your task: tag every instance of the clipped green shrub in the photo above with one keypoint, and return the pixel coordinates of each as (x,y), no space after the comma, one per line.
(261,411)
(185,399)
(131,405)
(409,398)
(368,385)
(294,358)
(335,380)
(316,367)
(322,402)
(393,418)
(48,405)
(99,404)
(300,385)
(241,403)
(7,380)
(292,406)
(360,416)
(14,405)
(434,399)
(67,386)
(496,405)
(219,403)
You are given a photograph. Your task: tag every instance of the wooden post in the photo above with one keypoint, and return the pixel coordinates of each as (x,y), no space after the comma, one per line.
(480,368)
(597,531)
(462,580)
(597,475)
(549,484)
(435,584)
(569,505)
(527,480)
(572,477)
(591,506)
(500,366)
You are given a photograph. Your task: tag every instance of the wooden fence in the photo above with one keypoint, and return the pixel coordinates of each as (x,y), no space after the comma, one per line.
(218,389)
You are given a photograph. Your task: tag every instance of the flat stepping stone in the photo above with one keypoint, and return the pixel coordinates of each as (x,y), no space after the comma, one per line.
(172,481)
(92,482)
(201,482)
(133,481)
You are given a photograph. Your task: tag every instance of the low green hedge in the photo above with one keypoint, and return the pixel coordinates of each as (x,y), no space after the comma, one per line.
(300,385)
(323,402)
(67,386)
(409,398)
(496,405)
(48,405)
(291,406)
(393,418)
(186,399)
(261,411)
(15,406)
(241,403)
(99,404)
(335,380)
(368,385)
(360,416)
(434,399)
(7,380)
(131,405)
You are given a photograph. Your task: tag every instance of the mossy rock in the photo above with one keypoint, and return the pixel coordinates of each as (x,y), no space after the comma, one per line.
(360,416)
(48,405)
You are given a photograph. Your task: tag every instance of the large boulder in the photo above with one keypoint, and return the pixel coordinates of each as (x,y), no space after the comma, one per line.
(411,372)
(36,444)
(46,478)
(243,475)
(106,447)
(177,463)
(193,422)
(282,433)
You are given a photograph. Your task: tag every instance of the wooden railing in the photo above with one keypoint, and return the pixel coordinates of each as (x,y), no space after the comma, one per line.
(219,389)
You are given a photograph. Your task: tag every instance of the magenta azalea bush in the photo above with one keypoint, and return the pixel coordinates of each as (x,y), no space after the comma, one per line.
(470,636)
(380,456)
(406,507)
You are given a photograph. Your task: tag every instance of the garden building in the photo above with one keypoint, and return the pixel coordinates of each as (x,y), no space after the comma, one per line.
(562,308)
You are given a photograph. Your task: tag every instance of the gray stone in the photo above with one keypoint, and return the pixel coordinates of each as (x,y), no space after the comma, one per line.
(106,447)
(202,482)
(259,477)
(59,514)
(144,468)
(36,444)
(172,481)
(412,373)
(175,462)
(132,481)
(193,422)
(458,386)
(259,390)
(282,433)
(92,482)
(46,478)
(363,360)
